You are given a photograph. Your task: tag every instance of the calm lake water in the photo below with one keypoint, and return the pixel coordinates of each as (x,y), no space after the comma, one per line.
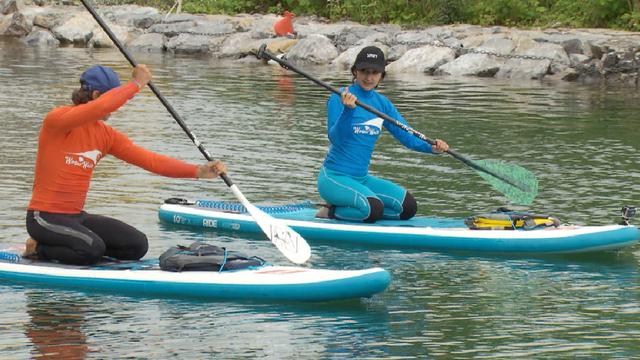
(268,125)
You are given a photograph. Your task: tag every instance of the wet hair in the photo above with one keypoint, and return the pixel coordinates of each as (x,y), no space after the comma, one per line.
(81,96)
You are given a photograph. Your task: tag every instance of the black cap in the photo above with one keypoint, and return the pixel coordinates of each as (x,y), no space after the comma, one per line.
(370,57)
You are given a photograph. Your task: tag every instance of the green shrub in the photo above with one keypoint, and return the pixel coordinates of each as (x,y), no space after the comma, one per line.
(623,14)
(588,13)
(505,12)
(630,21)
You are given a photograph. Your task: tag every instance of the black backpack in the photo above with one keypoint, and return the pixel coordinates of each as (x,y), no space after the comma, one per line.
(201,256)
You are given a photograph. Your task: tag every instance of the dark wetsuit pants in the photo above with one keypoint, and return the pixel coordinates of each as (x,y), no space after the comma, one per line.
(83,238)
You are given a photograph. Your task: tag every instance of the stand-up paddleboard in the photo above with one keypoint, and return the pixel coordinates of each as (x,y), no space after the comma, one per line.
(420,232)
(265,283)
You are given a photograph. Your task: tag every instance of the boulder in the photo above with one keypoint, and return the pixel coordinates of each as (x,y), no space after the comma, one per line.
(8,7)
(18,26)
(76,30)
(148,42)
(100,39)
(481,65)
(41,37)
(425,59)
(315,49)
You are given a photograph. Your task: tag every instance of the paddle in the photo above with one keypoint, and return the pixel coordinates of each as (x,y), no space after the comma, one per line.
(289,242)
(517,183)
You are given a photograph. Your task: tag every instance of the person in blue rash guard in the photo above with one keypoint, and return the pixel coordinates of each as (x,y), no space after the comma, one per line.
(344,181)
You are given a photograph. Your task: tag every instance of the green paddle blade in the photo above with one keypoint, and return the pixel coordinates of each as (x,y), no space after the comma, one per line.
(518,184)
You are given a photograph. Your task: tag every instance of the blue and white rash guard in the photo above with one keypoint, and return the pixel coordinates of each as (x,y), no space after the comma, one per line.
(353,132)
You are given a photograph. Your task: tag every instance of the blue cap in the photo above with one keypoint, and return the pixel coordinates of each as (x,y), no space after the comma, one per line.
(99,78)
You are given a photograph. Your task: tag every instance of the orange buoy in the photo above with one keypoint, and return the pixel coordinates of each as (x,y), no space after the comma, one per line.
(284,26)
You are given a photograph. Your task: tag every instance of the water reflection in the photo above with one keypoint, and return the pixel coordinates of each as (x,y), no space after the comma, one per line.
(56,328)
(76,325)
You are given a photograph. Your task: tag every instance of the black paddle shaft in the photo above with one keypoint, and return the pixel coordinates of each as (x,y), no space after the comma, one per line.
(263,53)
(153,88)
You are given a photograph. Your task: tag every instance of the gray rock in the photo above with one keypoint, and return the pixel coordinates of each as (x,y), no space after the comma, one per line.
(100,39)
(193,44)
(578,59)
(329,30)
(77,30)
(212,28)
(132,15)
(260,23)
(149,42)
(44,21)
(497,45)
(396,52)
(5,21)
(524,69)
(414,39)
(349,37)
(609,60)
(471,65)
(315,49)
(8,7)
(18,26)
(41,37)
(170,29)
(239,45)
(572,46)
(426,59)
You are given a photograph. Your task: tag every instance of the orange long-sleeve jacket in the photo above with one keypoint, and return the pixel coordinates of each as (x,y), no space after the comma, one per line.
(73,139)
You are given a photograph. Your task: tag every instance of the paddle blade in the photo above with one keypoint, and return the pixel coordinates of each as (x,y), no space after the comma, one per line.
(518,184)
(289,242)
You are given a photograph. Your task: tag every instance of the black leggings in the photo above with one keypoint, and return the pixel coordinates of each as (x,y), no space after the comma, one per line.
(83,239)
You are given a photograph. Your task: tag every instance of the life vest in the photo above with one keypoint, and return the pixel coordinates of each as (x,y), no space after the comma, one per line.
(504,219)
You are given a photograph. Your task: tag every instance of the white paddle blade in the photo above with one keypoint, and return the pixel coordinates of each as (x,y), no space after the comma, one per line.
(289,242)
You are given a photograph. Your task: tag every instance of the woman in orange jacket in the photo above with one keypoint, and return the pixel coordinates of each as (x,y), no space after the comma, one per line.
(73,139)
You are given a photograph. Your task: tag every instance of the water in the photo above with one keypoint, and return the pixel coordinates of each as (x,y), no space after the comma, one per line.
(268,126)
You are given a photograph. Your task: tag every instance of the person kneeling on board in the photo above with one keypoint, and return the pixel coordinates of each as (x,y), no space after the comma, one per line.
(73,139)
(344,181)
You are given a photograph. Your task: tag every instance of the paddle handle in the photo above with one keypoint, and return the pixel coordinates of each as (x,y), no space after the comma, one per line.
(153,88)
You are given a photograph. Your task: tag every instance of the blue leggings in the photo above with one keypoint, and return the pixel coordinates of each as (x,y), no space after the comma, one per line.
(364,198)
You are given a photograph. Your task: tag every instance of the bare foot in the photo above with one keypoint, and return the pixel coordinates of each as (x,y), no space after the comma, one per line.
(325,212)
(30,249)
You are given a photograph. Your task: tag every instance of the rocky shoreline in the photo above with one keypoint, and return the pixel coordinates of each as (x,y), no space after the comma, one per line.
(577,55)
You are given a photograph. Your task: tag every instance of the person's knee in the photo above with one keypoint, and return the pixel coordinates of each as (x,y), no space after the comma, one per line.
(91,254)
(409,207)
(376,210)
(140,246)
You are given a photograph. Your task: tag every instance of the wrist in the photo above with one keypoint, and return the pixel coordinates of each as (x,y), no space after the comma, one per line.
(138,84)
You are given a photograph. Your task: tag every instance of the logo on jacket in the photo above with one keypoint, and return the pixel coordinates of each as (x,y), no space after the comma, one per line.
(371,127)
(85,160)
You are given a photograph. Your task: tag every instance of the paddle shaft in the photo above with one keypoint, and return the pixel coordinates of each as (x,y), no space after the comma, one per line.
(262,53)
(153,88)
